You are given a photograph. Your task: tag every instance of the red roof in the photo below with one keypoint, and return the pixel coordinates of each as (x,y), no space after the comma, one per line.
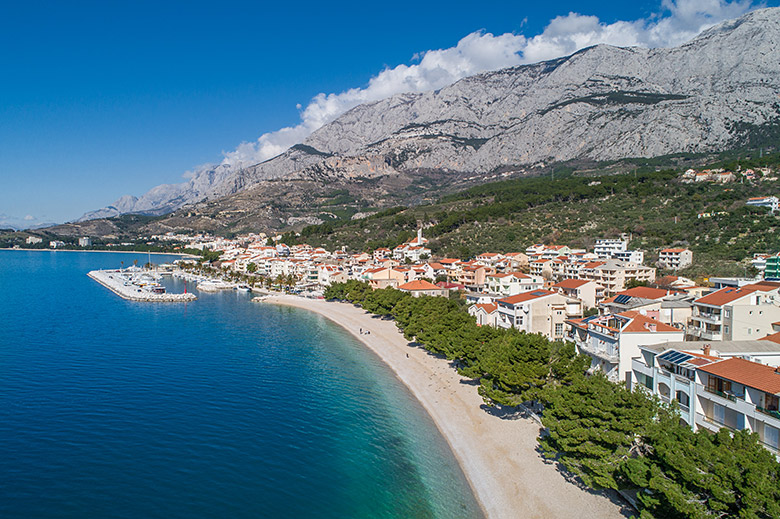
(418,284)
(725,295)
(674,250)
(774,337)
(643,292)
(571,283)
(526,296)
(488,307)
(752,374)
(643,324)
(594,264)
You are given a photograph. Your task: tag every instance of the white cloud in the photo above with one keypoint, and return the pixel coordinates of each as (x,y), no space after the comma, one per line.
(677,22)
(29,218)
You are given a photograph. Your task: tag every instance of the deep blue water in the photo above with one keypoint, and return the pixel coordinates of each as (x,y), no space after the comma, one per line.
(216,408)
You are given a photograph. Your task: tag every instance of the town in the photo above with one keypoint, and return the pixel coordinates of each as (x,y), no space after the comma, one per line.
(713,349)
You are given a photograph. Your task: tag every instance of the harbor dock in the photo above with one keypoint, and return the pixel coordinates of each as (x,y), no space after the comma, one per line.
(134,287)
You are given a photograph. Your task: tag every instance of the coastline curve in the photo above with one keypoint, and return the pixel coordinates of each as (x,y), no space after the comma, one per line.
(497,455)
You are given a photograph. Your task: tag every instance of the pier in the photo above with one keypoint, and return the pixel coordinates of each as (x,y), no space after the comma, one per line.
(123,284)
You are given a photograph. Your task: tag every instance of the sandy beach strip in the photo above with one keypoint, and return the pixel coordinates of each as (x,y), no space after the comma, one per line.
(498,455)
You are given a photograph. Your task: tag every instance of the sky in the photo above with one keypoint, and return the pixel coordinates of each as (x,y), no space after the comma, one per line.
(103,99)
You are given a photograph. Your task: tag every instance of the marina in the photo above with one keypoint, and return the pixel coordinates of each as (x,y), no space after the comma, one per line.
(137,285)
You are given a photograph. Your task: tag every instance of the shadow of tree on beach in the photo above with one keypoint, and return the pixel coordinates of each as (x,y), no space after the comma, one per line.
(626,508)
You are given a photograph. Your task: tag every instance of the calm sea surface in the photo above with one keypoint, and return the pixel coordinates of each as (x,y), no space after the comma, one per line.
(217,408)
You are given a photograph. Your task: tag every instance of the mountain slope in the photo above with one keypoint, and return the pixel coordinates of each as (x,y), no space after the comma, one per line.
(717,92)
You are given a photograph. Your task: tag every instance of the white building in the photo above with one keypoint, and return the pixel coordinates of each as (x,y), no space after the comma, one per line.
(512,283)
(770,202)
(540,311)
(675,259)
(733,314)
(85,241)
(612,340)
(607,248)
(714,393)
(32,240)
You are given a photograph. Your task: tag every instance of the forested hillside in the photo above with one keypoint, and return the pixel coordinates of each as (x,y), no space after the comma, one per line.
(654,207)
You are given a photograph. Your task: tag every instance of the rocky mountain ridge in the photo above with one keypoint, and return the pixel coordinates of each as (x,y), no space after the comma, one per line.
(717,92)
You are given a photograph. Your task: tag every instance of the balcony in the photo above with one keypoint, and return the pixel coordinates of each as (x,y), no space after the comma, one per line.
(714,318)
(702,333)
(586,348)
(772,413)
(729,396)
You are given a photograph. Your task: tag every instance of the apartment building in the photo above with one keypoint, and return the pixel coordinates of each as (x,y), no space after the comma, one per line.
(539,311)
(613,340)
(614,274)
(732,314)
(675,259)
(589,292)
(512,283)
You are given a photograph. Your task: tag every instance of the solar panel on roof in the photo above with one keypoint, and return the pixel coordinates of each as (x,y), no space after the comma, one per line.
(675,357)
(622,299)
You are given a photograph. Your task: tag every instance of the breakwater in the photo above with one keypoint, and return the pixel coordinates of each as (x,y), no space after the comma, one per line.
(122,285)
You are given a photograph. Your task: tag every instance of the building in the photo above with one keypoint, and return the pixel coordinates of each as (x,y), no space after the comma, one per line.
(589,292)
(675,259)
(772,267)
(512,283)
(612,340)
(539,311)
(614,274)
(56,244)
(607,248)
(733,314)
(33,240)
(85,242)
(420,287)
(485,313)
(770,202)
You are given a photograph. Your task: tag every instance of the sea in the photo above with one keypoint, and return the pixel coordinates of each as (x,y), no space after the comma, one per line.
(217,408)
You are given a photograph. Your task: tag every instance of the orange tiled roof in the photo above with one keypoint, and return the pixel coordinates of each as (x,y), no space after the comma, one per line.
(640,323)
(752,374)
(725,295)
(418,284)
(526,296)
(774,337)
(488,307)
(571,283)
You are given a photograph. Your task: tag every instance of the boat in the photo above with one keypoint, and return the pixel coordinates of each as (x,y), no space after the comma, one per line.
(244,288)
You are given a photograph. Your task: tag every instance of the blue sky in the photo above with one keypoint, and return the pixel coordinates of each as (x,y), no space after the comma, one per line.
(102,99)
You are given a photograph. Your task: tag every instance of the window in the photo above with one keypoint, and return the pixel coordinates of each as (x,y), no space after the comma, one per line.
(771,436)
(558,329)
(728,314)
(726,329)
(718,385)
(718,413)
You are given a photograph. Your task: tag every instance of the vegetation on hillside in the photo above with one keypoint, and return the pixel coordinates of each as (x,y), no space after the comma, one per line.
(653,207)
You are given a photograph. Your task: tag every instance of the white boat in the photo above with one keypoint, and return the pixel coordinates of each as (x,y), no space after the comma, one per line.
(212,286)
(244,288)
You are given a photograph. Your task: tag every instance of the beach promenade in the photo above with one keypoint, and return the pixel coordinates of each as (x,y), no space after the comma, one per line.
(497,454)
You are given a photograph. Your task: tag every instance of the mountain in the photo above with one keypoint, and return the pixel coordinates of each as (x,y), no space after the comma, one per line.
(715,93)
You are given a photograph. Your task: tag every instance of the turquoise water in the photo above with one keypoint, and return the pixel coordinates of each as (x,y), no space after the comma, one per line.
(216,408)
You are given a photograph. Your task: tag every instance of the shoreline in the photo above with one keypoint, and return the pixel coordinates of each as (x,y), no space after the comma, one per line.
(182,254)
(498,455)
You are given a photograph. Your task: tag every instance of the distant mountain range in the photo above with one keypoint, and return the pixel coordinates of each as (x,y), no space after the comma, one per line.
(720,91)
